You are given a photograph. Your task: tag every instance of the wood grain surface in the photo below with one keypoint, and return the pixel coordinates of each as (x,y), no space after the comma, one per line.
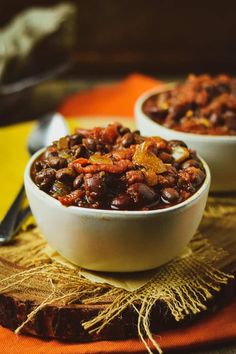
(65,322)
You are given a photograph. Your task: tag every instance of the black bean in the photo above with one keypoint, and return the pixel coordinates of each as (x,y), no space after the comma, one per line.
(167,179)
(90,143)
(127,140)
(95,185)
(65,175)
(216,119)
(190,163)
(169,195)
(174,143)
(142,194)
(81,151)
(178,111)
(59,189)
(138,139)
(39,165)
(122,202)
(48,153)
(230,119)
(45,179)
(57,162)
(197,176)
(77,151)
(223,87)
(165,157)
(47,172)
(123,130)
(75,139)
(78,181)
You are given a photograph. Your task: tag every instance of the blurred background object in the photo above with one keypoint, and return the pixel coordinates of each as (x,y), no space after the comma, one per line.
(167,39)
(35,46)
(155,36)
(36,40)
(171,37)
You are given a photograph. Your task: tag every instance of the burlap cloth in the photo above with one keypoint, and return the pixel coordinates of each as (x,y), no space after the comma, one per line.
(184,285)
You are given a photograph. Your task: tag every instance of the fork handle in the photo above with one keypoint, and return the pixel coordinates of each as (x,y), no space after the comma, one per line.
(8,225)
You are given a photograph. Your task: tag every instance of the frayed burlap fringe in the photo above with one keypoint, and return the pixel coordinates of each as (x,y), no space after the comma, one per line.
(183,285)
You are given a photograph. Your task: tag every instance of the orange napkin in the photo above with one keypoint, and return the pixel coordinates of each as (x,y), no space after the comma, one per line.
(116,100)
(216,328)
(221,327)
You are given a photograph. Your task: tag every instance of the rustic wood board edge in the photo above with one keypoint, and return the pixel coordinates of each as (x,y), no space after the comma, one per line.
(65,322)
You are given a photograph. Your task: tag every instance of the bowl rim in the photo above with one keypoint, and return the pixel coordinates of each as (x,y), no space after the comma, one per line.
(112,213)
(182,135)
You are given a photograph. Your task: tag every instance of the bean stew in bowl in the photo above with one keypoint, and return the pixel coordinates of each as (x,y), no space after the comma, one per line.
(109,199)
(200,111)
(114,168)
(200,105)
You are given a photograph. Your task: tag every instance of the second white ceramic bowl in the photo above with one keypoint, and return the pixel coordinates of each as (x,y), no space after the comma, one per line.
(218,151)
(116,241)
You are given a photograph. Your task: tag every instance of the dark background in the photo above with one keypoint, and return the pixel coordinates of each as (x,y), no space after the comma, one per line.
(160,37)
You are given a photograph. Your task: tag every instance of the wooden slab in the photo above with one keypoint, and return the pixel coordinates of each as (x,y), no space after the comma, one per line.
(65,322)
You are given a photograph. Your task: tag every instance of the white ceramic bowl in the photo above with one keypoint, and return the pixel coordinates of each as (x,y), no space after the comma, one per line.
(218,151)
(117,241)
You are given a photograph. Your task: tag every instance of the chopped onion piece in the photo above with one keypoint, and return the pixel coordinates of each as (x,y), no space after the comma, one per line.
(144,157)
(100,159)
(180,153)
(205,122)
(63,143)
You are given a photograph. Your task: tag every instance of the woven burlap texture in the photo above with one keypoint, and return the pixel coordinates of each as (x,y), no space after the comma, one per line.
(184,285)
